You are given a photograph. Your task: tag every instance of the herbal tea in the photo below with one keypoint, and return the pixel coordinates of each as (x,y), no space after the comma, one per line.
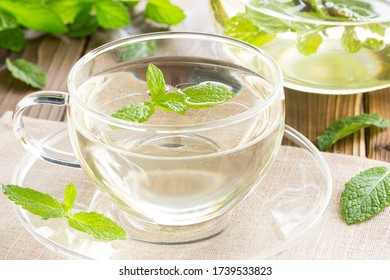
(328,47)
(167,174)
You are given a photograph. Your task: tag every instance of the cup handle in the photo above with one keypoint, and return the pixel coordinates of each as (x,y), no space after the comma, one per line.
(34,146)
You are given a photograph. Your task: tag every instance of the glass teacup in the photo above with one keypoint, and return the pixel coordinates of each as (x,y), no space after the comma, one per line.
(173,170)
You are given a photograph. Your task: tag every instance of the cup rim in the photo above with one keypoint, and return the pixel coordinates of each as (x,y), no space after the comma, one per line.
(119,123)
(285,16)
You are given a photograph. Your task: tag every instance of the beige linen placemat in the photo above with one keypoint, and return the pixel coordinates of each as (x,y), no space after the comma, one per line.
(330,239)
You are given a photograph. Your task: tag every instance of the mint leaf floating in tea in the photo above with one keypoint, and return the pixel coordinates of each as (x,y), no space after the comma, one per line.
(163,11)
(155,81)
(97,225)
(46,206)
(35,202)
(207,95)
(137,112)
(308,43)
(256,27)
(346,126)
(204,95)
(27,72)
(373,44)
(350,41)
(171,102)
(366,195)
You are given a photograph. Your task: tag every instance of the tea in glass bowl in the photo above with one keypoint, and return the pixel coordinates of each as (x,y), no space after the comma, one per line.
(331,47)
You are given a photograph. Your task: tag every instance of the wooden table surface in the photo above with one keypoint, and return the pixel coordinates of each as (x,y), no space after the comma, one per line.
(307,112)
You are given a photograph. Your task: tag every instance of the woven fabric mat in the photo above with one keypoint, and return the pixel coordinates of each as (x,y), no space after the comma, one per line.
(331,238)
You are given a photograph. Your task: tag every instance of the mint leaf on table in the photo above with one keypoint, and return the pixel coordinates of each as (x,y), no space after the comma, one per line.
(35,202)
(163,11)
(27,72)
(97,225)
(111,14)
(346,126)
(137,112)
(366,195)
(204,95)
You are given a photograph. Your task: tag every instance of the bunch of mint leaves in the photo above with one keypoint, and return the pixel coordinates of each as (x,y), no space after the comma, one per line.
(368,193)
(259,28)
(204,95)
(47,207)
(73,18)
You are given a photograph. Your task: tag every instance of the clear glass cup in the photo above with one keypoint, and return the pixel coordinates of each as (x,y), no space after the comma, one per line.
(342,48)
(171,170)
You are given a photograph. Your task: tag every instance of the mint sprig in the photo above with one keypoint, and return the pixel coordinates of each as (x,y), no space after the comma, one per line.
(204,95)
(45,206)
(366,195)
(346,126)
(74,18)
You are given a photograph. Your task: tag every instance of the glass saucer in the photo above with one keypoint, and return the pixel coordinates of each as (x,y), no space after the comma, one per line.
(285,206)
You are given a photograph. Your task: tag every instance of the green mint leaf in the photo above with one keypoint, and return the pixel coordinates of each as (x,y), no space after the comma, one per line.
(11,35)
(138,50)
(130,3)
(34,15)
(243,28)
(171,102)
(374,44)
(350,41)
(137,112)
(206,95)
(346,126)
(111,14)
(269,24)
(308,43)
(366,195)
(84,23)
(12,39)
(97,225)
(27,72)
(66,9)
(7,21)
(35,202)
(155,81)
(70,195)
(163,11)
(378,29)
